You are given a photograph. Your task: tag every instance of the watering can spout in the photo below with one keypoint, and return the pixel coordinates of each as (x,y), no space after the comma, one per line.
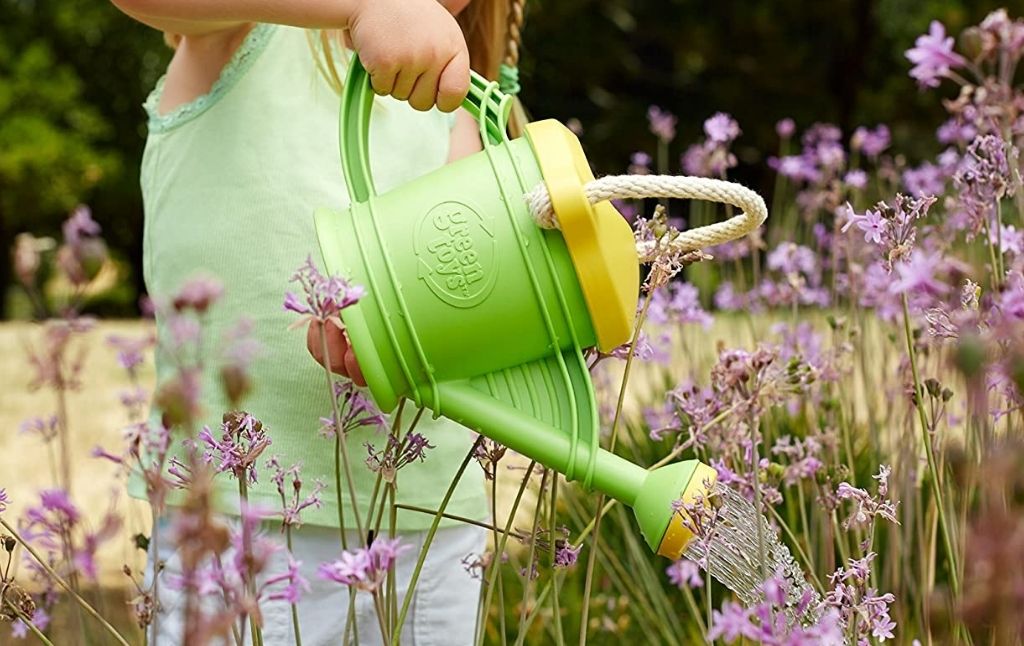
(658,498)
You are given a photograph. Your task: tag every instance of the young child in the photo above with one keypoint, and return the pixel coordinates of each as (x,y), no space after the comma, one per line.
(242,148)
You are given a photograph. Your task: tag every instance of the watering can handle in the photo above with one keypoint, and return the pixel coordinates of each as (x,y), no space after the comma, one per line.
(484,101)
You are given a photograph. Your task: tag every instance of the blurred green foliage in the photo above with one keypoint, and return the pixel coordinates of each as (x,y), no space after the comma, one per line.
(73,74)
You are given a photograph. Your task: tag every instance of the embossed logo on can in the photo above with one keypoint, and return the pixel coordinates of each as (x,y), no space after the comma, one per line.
(455,251)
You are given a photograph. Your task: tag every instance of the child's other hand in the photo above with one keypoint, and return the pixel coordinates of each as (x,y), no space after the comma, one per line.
(413,50)
(342,358)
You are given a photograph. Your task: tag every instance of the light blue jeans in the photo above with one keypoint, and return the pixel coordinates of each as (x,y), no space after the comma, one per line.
(443,611)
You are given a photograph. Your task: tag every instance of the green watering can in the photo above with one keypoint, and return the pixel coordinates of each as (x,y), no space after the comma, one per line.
(477,313)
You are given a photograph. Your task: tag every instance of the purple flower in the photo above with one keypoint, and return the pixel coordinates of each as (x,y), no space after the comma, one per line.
(685,573)
(57,501)
(871,223)
(365,568)
(46,429)
(867,507)
(130,352)
(919,275)
(295,585)
(639,164)
(933,56)
(40,620)
(732,622)
(565,553)
(871,142)
(323,297)
(292,502)
(397,454)
(241,442)
(956,131)
(198,294)
(54,525)
(722,128)
(709,159)
(356,410)
(678,303)
(79,226)
(785,128)
(350,569)
(4,500)
(1009,239)
(856,179)
(795,167)
(925,180)
(789,258)
(661,123)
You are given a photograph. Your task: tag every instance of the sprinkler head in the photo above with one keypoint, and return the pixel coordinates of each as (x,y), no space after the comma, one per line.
(664,529)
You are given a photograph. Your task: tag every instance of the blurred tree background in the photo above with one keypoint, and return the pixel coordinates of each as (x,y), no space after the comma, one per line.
(74,73)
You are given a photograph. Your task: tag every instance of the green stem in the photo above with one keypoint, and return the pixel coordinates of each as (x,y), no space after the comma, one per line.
(397,634)
(592,556)
(462,519)
(295,608)
(155,539)
(64,584)
(500,549)
(556,609)
(755,471)
(528,580)
(250,578)
(933,472)
(341,447)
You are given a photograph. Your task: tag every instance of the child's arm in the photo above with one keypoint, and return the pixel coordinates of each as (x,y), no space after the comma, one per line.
(413,49)
(465,139)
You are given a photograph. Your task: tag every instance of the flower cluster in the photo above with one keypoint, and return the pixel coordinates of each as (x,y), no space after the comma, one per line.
(323,297)
(712,157)
(293,503)
(860,607)
(356,410)
(365,568)
(768,622)
(397,454)
(866,506)
(242,440)
(57,528)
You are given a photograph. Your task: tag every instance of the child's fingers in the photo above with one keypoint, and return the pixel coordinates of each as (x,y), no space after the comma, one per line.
(405,82)
(336,346)
(313,341)
(453,84)
(424,93)
(383,80)
(352,368)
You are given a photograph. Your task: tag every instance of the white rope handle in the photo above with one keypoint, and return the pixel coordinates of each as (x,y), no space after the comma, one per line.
(693,188)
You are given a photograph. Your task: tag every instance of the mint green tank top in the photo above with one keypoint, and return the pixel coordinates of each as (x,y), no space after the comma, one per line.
(229,184)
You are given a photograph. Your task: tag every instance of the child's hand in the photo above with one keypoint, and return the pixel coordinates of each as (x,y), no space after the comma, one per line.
(342,358)
(413,50)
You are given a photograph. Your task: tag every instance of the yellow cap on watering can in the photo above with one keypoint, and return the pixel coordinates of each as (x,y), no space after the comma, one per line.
(600,241)
(475,312)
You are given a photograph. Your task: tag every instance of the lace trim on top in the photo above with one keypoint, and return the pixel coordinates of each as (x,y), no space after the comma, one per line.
(243,58)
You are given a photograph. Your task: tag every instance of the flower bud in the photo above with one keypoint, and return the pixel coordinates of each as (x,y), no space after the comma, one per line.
(236,384)
(972,43)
